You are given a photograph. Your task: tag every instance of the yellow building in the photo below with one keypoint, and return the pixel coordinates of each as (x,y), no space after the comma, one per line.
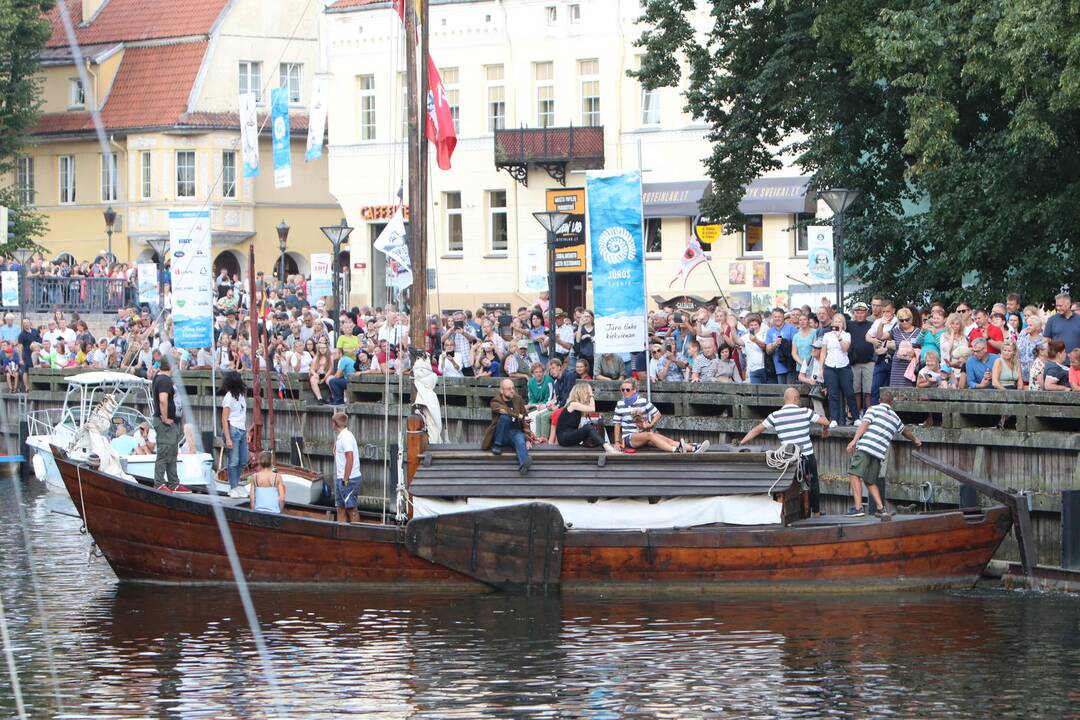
(165,77)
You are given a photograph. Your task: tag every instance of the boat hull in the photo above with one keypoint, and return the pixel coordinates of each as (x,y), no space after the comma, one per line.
(148,535)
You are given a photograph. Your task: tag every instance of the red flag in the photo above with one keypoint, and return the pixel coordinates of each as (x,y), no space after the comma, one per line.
(691,258)
(440,123)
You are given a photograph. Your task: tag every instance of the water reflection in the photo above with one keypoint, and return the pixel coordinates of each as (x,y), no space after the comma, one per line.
(156,651)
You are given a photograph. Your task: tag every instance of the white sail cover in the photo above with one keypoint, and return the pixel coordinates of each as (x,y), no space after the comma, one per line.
(427,402)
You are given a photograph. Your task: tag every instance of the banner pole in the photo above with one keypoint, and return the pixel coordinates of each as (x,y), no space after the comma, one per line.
(722,295)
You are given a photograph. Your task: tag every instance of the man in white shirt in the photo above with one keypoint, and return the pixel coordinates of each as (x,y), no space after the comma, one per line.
(346,470)
(564,336)
(66,333)
(753,347)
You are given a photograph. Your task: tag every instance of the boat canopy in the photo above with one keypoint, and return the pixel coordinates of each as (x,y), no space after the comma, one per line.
(105,377)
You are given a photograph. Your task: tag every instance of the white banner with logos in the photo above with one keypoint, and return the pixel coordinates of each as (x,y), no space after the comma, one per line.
(147,274)
(192,278)
(819,253)
(249,135)
(322,277)
(317,118)
(9,288)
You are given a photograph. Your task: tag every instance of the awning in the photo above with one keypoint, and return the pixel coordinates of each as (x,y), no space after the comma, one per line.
(673,199)
(778,195)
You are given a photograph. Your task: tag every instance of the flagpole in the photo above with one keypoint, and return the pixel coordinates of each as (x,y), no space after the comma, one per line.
(418,317)
(644,274)
(414,141)
(722,295)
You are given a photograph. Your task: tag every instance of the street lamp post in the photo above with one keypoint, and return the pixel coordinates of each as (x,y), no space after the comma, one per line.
(22,256)
(110,223)
(839,200)
(552,222)
(160,246)
(337,235)
(283,237)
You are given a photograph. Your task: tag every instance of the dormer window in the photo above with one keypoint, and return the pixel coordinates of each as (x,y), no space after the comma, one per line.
(76,93)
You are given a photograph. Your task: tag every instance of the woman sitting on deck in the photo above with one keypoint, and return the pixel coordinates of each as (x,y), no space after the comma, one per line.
(570,431)
(267,487)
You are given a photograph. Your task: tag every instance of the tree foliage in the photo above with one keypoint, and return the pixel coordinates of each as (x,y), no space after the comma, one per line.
(959,120)
(23,33)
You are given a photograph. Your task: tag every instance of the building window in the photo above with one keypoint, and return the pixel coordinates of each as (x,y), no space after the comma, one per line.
(802,234)
(289,75)
(185,174)
(589,72)
(653,235)
(251,79)
(497,209)
(753,239)
(67,179)
(552,14)
(545,93)
(147,174)
(450,84)
(496,98)
(228,173)
(76,93)
(24,180)
(575,12)
(109,178)
(367,107)
(452,203)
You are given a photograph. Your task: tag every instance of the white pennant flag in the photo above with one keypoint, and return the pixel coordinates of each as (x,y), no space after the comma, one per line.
(394,243)
(249,135)
(317,118)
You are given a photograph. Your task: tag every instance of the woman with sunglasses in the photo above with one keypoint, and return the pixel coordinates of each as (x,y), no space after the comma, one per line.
(839,378)
(907,338)
(321,368)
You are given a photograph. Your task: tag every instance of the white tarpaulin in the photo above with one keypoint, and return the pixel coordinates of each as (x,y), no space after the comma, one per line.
(628,513)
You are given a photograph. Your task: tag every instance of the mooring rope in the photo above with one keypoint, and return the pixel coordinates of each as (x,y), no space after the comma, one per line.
(781,460)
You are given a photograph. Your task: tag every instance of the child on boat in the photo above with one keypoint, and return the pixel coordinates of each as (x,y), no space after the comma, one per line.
(267,487)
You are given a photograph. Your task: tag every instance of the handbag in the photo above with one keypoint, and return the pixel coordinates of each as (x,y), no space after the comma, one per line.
(911,368)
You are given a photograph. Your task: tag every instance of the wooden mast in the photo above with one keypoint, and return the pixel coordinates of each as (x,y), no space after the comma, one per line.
(256,412)
(417,169)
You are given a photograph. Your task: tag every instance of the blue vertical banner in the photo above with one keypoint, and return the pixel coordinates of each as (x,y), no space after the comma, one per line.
(279,118)
(616,247)
(192,278)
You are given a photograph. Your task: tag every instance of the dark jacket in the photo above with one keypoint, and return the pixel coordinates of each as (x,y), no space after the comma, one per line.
(515,408)
(860,351)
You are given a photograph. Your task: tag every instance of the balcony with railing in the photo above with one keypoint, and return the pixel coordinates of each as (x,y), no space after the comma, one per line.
(552,149)
(45,293)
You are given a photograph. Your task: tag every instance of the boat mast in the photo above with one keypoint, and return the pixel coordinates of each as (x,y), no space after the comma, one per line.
(417,169)
(256,413)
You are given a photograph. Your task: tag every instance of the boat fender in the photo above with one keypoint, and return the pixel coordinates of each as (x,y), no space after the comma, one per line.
(93,460)
(40,472)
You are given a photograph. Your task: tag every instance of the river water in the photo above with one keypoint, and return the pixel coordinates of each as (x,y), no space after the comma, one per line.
(153,651)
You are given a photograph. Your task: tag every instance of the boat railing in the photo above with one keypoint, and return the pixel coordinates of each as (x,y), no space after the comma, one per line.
(43,422)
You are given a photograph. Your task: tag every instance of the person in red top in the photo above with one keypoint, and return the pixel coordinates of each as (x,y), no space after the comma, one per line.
(990,331)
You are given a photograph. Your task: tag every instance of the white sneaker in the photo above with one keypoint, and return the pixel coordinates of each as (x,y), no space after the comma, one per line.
(832,424)
(701,447)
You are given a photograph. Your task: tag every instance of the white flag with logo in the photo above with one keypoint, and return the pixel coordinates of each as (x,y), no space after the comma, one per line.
(394,243)
(249,135)
(317,118)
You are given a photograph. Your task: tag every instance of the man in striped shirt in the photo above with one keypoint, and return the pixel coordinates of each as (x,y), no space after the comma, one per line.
(635,418)
(879,425)
(791,423)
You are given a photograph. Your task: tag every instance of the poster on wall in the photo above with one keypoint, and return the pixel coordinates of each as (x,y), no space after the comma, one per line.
(618,260)
(819,253)
(761,273)
(192,278)
(147,274)
(736,273)
(782,299)
(322,277)
(740,300)
(532,269)
(9,288)
(763,302)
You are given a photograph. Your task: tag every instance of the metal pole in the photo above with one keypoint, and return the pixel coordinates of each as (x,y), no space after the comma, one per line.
(551,294)
(109,231)
(281,268)
(839,260)
(337,291)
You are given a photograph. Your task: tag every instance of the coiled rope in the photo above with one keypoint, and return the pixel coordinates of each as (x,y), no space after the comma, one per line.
(781,460)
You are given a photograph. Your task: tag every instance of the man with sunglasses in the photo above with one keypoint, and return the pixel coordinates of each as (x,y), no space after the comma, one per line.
(635,418)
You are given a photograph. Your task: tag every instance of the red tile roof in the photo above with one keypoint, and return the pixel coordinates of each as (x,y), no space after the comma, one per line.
(151,89)
(297,122)
(135,20)
(344,4)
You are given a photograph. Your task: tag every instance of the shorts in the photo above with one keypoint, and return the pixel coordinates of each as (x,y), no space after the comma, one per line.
(865,466)
(862,377)
(347,495)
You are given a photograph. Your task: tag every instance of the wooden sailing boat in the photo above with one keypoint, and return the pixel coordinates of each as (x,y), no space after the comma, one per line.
(476,524)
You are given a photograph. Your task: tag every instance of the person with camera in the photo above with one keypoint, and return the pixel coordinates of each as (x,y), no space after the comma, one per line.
(509,425)
(838,377)
(463,341)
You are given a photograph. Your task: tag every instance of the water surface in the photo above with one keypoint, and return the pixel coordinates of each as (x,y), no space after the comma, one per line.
(127,651)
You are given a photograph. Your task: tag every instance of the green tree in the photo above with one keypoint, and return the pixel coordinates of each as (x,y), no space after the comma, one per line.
(23,33)
(958,120)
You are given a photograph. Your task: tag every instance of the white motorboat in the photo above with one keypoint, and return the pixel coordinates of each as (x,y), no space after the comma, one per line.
(104,393)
